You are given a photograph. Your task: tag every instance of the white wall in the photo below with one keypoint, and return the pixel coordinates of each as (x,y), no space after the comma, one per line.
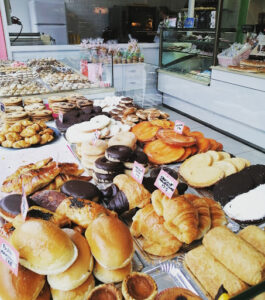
(20,9)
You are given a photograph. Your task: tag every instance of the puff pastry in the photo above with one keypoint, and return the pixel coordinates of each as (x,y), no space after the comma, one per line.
(217,214)
(255,236)
(237,255)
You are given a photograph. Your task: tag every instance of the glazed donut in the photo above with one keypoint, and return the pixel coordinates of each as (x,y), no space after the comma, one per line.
(89,148)
(104,166)
(123,138)
(118,153)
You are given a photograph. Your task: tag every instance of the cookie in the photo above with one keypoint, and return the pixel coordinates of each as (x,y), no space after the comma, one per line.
(15,116)
(123,138)
(31,100)
(34,106)
(9,109)
(84,103)
(14,101)
(53,99)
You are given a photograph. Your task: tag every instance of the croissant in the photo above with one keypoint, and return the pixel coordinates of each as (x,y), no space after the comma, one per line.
(136,194)
(157,239)
(217,214)
(181,217)
(203,213)
(61,179)
(82,211)
(70,169)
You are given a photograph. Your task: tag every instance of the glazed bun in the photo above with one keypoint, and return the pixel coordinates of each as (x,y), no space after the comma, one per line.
(26,286)
(79,271)
(80,293)
(110,242)
(43,247)
(111,276)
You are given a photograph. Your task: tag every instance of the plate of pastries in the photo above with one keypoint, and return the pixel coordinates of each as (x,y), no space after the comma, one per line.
(25,134)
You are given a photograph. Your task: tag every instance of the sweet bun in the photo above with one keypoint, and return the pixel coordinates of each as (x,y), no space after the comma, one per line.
(105,292)
(80,293)
(176,293)
(79,271)
(111,276)
(43,247)
(109,235)
(26,286)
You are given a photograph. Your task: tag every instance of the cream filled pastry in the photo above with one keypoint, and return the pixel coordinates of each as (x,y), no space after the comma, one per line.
(248,206)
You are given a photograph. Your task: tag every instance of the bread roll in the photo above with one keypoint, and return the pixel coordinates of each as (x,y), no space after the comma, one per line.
(43,247)
(111,276)
(237,255)
(211,273)
(110,242)
(255,236)
(80,293)
(79,271)
(26,286)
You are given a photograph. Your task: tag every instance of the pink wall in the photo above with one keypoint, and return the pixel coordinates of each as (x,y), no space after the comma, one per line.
(3,52)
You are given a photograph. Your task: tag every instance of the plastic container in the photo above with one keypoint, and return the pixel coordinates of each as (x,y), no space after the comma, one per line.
(226,61)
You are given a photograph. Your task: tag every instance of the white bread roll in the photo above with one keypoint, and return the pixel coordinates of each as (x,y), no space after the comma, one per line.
(110,242)
(79,271)
(43,247)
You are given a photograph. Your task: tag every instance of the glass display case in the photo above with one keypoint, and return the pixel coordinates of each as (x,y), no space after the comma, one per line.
(190,52)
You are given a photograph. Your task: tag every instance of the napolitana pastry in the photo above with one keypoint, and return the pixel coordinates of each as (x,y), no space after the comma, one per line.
(237,255)
(55,256)
(139,286)
(79,271)
(255,236)
(204,266)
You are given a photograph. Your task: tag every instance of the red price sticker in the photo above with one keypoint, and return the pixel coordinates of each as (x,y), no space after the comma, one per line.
(9,255)
(2,107)
(178,126)
(24,204)
(60,116)
(96,135)
(138,172)
(166,183)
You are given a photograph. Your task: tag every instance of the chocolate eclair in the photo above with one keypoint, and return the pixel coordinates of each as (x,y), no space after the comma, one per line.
(118,153)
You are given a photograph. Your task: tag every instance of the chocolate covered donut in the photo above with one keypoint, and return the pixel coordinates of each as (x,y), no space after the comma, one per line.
(104,178)
(81,189)
(103,166)
(171,172)
(138,156)
(118,153)
(10,206)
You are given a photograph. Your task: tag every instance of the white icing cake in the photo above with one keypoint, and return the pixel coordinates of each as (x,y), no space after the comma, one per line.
(247,206)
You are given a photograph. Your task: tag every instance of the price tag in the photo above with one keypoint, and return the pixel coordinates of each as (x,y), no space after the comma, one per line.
(96,135)
(166,183)
(138,172)
(60,116)
(9,255)
(178,126)
(2,107)
(24,204)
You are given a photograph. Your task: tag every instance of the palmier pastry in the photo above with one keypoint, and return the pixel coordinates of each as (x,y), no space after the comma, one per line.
(105,291)
(139,286)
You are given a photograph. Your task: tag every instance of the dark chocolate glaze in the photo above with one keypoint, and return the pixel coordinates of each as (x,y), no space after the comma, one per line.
(11,204)
(80,189)
(38,214)
(110,191)
(105,177)
(181,298)
(148,183)
(48,199)
(97,109)
(171,172)
(119,203)
(182,188)
(140,157)
(76,203)
(109,166)
(119,152)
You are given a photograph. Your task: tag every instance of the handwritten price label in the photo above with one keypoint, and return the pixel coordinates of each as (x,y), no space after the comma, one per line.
(138,172)
(2,107)
(96,135)
(9,255)
(179,126)
(24,204)
(166,183)
(60,116)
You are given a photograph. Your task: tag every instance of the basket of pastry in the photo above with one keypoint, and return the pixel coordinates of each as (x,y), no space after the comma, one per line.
(25,133)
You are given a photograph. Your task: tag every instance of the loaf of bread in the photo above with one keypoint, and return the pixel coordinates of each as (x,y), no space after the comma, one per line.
(237,255)
(211,273)
(255,236)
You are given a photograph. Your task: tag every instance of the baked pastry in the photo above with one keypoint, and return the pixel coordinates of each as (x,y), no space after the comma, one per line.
(237,255)
(204,266)
(123,138)
(105,291)
(81,211)
(136,194)
(255,236)
(171,137)
(111,276)
(70,169)
(139,286)
(38,252)
(79,293)
(107,233)
(10,206)
(176,293)
(181,217)
(118,153)
(79,271)
(217,214)
(157,239)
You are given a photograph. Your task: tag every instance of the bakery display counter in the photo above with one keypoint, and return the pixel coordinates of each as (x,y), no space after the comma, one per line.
(122,191)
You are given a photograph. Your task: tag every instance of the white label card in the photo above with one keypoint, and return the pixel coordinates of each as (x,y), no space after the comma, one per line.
(179,126)
(96,135)
(60,116)
(24,204)
(9,255)
(166,183)
(138,172)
